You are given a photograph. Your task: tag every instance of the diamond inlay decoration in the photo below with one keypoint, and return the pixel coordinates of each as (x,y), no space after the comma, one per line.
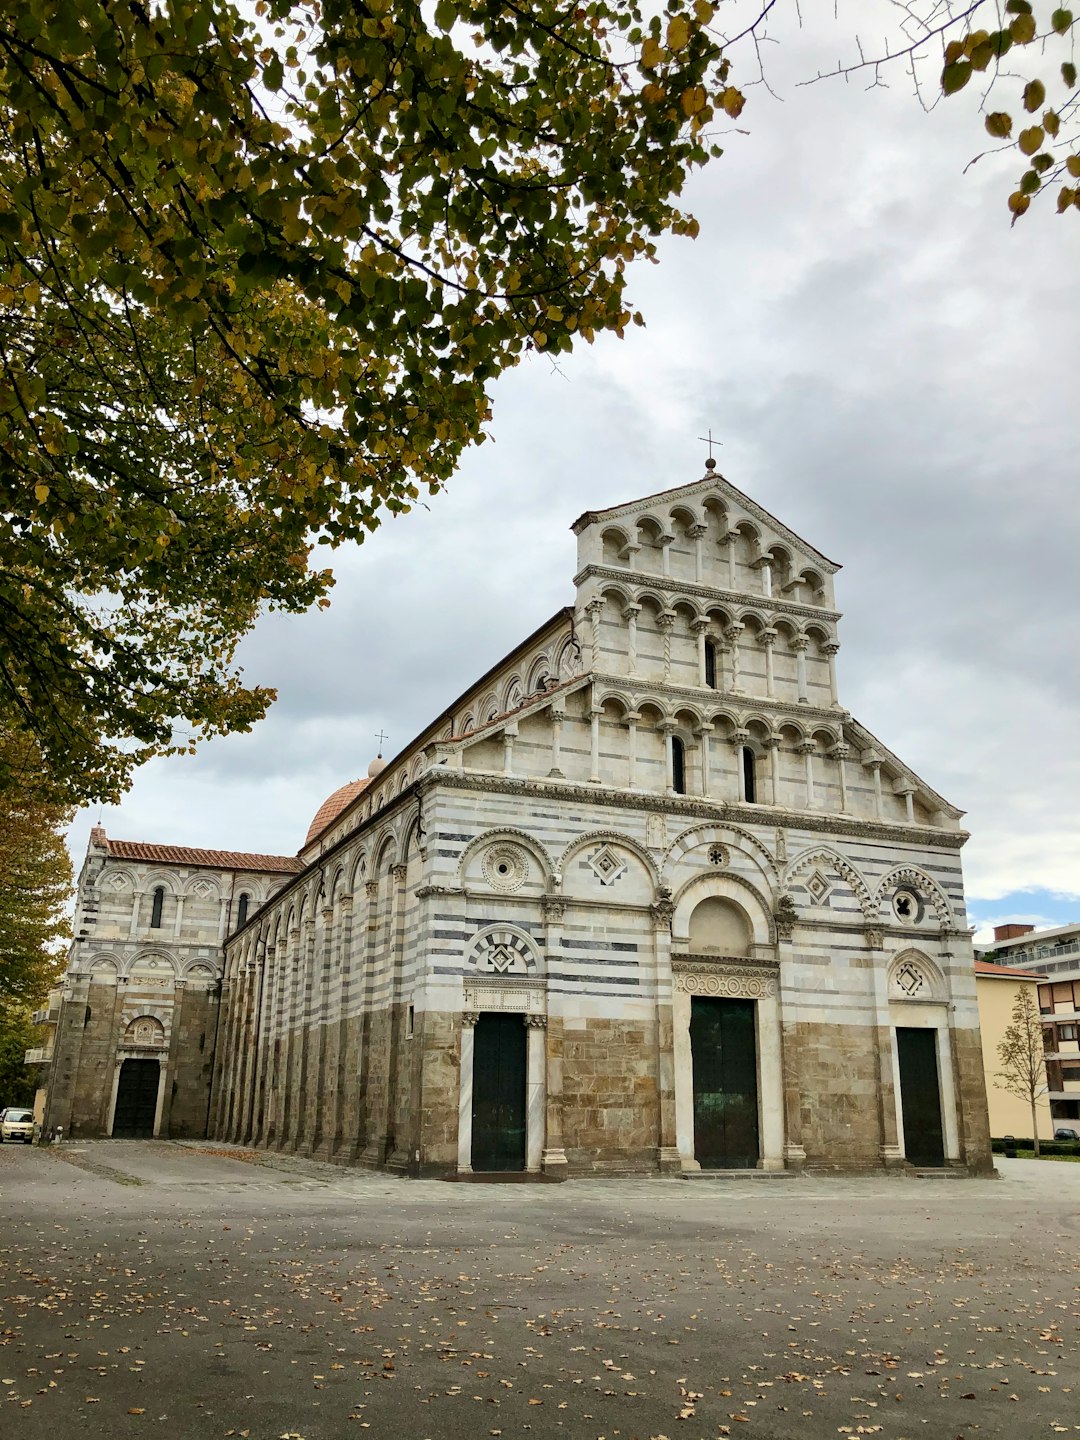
(501,952)
(818,888)
(910,979)
(607,864)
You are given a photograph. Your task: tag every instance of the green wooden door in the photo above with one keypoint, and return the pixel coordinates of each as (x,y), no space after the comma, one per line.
(920,1096)
(724,1050)
(498,1106)
(136,1099)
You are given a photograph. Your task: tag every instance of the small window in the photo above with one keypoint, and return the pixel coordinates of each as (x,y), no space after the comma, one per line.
(411,1031)
(242,909)
(678,766)
(159,905)
(1066,1032)
(710,664)
(749,775)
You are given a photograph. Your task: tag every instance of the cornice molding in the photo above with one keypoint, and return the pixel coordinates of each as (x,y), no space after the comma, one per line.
(766,816)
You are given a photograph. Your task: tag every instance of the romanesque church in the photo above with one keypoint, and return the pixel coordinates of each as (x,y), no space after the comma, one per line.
(644,899)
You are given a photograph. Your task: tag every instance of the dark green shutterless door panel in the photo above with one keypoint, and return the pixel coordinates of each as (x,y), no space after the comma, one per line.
(498,1108)
(136,1099)
(920,1096)
(723,1045)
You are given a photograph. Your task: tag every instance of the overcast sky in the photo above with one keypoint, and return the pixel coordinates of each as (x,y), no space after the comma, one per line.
(892,371)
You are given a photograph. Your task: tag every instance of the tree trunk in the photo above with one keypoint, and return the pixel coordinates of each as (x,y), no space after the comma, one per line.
(1034,1125)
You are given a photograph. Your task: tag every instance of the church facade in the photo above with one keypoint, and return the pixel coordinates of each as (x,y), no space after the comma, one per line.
(645,899)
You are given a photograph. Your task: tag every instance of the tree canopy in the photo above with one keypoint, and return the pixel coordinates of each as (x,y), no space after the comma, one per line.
(259,267)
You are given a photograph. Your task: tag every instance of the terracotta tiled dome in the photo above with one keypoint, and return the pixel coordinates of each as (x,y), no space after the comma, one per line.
(332,807)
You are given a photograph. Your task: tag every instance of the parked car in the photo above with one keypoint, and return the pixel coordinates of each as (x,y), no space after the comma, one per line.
(17,1125)
(1064,1133)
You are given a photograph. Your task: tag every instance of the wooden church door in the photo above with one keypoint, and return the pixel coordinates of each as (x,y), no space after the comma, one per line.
(136,1099)
(724,1052)
(920,1096)
(498,1103)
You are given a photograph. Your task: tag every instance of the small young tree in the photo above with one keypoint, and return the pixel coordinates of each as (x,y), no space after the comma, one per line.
(1021,1054)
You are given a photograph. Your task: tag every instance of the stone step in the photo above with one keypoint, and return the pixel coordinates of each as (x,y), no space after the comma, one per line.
(938,1172)
(740,1175)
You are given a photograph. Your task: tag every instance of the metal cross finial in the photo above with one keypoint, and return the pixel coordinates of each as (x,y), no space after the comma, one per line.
(710,464)
(382,739)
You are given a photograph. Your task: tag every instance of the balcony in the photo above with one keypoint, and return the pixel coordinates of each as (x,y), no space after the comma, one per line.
(49,1015)
(40,1056)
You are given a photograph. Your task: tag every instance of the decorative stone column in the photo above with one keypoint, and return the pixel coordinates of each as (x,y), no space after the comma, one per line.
(905,788)
(768,640)
(594,609)
(666,541)
(667,1150)
(594,744)
(345,967)
(553,1156)
(630,614)
(465,1091)
(840,752)
(729,540)
(771,746)
(801,644)
(535,1087)
(739,738)
(872,762)
(316,1140)
(765,564)
(632,719)
(830,651)
(892,1156)
(558,716)
(697,533)
(808,749)
(665,622)
(178,920)
(732,636)
(667,728)
(703,732)
(509,733)
(700,629)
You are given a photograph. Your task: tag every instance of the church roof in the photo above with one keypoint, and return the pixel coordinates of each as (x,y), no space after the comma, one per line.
(984,967)
(332,807)
(207,859)
(713,480)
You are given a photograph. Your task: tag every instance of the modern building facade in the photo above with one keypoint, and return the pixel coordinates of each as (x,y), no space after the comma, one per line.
(998,987)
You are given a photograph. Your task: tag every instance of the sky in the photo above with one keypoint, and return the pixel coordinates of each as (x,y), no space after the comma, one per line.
(891,371)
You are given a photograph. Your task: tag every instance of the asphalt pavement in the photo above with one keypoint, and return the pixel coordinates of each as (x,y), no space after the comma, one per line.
(205,1291)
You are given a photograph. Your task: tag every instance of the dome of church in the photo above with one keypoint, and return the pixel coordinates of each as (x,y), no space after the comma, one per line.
(332,807)
(377,766)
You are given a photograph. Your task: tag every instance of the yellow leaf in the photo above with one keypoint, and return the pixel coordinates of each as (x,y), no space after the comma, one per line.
(704,11)
(678,32)
(693,99)
(651,54)
(1030,139)
(42,493)
(1019,202)
(652,95)
(1072,164)
(1022,29)
(733,101)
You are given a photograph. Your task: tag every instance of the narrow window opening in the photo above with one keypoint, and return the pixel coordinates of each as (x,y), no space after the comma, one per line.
(678,766)
(412,1022)
(242,909)
(749,775)
(710,664)
(159,905)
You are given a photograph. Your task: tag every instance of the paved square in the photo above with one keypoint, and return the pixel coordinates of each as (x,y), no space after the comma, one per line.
(201,1291)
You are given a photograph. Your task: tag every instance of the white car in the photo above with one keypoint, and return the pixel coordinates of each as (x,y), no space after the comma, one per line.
(17,1125)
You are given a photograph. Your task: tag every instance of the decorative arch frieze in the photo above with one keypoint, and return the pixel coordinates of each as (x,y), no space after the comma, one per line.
(610,838)
(914,976)
(922,884)
(720,834)
(511,838)
(823,857)
(502,950)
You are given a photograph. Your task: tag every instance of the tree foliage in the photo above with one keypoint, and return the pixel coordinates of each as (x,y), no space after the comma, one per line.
(35,886)
(260,265)
(1021,1054)
(258,269)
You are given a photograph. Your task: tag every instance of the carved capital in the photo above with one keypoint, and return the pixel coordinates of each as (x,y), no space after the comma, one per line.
(399,871)
(801,642)
(594,607)
(699,625)
(840,751)
(831,647)
(665,620)
(786,917)
(631,611)
(696,531)
(536,1022)
(875,938)
(554,907)
(469,1018)
(739,737)
(768,636)
(662,909)
(733,632)
(371,889)
(806,747)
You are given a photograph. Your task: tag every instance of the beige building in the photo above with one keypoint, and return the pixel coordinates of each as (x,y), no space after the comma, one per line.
(645,898)
(1055,953)
(997,987)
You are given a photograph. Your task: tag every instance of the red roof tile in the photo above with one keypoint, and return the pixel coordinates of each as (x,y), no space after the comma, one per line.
(332,807)
(208,859)
(984,967)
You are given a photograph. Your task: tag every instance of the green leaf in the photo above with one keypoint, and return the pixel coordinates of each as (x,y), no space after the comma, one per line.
(1034,95)
(955,76)
(1030,140)
(1068,74)
(1061,20)
(999,124)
